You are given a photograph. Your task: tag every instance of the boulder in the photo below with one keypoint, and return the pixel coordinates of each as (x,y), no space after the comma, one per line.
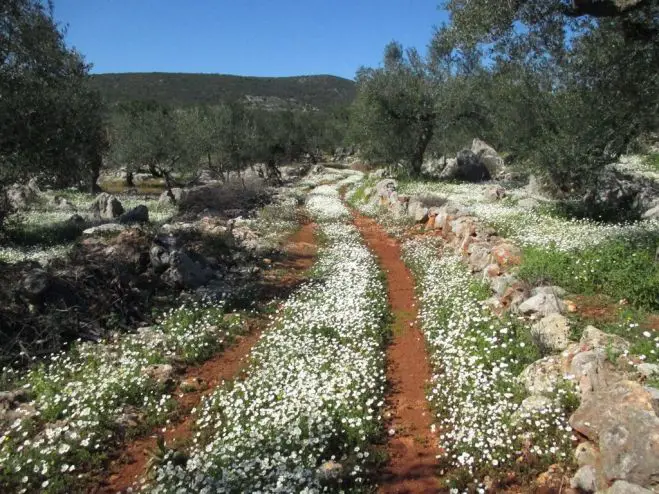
(139,214)
(622,421)
(183,272)
(466,166)
(549,290)
(585,479)
(106,207)
(432,168)
(624,487)
(34,284)
(551,333)
(479,257)
(488,157)
(542,376)
(596,339)
(494,193)
(542,304)
(507,254)
(21,196)
(62,204)
(161,373)
(501,283)
(652,213)
(416,210)
(384,190)
(180,195)
(107,229)
(586,453)
(592,373)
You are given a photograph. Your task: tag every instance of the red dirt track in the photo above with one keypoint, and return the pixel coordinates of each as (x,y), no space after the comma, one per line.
(412,449)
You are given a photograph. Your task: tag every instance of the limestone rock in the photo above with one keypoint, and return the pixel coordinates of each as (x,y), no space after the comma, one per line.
(22,196)
(488,157)
(183,272)
(542,376)
(624,487)
(594,338)
(494,193)
(507,254)
(106,207)
(62,204)
(161,373)
(542,304)
(551,333)
(35,283)
(549,290)
(585,479)
(180,195)
(467,166)
(586,453)
(108,228)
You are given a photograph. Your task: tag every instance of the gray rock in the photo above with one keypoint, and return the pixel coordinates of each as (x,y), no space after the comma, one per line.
(630,448)
(466,166)
(654,395)
(62,204)
(385,188)
(652,213)
(596,339)
(488,157)
(183,272)
(106,207)
(585,479)
(501,283)
(479,257)
(542,376)
(542,304)
(622,421)
(22,196)
(535,403)
(159,257)
(180,195)
(139,214)
(416,210)
(592,373)
(494,193)
(161,373)
(35,283)
(551,333)
(432,168)
(108,228)
(534,187)
(586,453)
(624,487)
(549,290)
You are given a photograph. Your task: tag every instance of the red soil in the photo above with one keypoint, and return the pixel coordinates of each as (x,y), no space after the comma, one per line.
(131,465)
(412,450)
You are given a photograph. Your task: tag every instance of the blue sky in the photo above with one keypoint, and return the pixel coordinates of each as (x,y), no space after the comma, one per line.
(244,37)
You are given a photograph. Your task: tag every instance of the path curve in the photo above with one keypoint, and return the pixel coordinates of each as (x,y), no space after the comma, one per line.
(412,449)
(299,249)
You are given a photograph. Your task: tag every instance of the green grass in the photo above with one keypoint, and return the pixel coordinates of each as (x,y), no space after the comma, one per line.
(652,161)
(619,269)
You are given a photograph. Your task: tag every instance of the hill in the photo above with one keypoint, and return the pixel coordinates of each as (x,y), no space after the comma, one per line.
(315,91)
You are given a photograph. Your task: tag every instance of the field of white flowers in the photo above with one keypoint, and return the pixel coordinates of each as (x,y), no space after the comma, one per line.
(38,229)
(304,417)
(476,358)
(76,397)
(531,227)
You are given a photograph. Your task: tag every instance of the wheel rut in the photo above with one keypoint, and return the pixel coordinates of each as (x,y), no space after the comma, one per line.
(412,448)
(132,464)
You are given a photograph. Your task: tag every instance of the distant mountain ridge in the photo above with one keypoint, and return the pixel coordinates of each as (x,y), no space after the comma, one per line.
(183,89)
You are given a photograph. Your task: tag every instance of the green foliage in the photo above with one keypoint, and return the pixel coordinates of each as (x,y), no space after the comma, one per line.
(270,93)
(394,115)
(652,160)
(51,123)
(620,269)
